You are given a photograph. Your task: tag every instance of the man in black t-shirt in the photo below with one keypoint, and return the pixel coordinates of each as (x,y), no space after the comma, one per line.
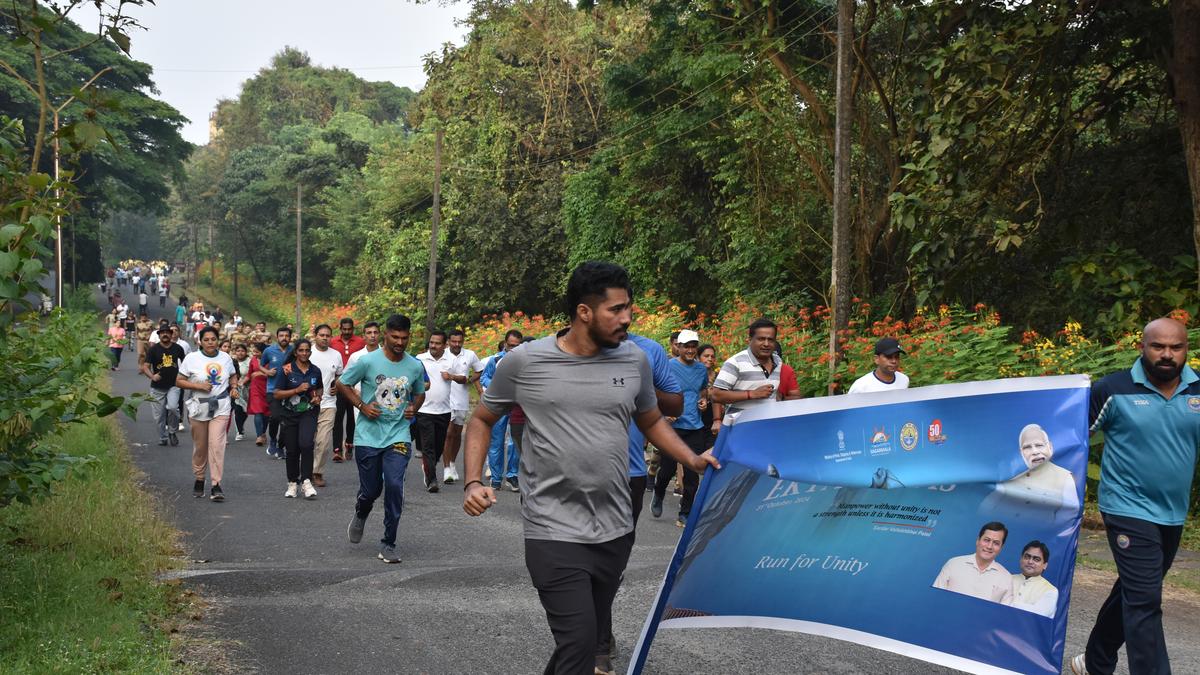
(162,367)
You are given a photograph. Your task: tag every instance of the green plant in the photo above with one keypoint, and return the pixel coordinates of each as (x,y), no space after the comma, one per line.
(49,382)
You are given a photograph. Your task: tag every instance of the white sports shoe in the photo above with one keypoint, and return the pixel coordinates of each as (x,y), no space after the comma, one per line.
(238,437)
(1078,665)
(181,426)
(310,492)
(449,474)
(291,491)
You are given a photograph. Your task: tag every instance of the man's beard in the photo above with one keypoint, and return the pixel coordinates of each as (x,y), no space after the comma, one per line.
(1162,371)
(604,342)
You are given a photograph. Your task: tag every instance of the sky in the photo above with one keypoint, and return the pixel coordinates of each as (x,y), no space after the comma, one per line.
(202,50)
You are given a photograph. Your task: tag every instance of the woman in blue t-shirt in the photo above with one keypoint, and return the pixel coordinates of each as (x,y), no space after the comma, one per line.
(298,390)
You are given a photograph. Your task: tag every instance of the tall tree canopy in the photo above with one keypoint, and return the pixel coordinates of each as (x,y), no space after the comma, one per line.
(122,144)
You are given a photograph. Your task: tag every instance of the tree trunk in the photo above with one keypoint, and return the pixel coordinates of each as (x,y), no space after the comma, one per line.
(1184,71)
(840,269)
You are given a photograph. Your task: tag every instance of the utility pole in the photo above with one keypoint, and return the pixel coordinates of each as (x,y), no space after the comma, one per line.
(839,277)
(235,275)
(431,290)
(298,324)
(212,260)
(58,249)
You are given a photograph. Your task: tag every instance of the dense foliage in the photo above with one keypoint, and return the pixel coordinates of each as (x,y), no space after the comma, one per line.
(121,145)
(52,366)
(1000,150)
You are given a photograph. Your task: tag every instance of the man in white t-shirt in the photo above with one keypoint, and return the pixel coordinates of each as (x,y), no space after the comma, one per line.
(433,417)
(887,375)
(330,363)
(464,371)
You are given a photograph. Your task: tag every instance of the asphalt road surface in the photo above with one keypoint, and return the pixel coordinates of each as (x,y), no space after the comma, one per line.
(290,594)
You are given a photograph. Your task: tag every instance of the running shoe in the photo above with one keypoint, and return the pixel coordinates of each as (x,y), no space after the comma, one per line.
(238,437)
(198,489)
(180,427)
(388,554)
(310,492)
(354,530)
(217,495)
(656,506)
(513,484)
(290,493)
(449,475)
(1079,665)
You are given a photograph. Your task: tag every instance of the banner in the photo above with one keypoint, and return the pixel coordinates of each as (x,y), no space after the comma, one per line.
(940,523)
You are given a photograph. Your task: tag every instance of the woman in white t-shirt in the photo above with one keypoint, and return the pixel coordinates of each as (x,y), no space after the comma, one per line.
(209,374)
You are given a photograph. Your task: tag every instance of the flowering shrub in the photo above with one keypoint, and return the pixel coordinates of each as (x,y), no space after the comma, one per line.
(942,344)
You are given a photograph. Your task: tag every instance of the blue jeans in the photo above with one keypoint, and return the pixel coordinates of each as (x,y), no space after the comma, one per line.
(381,471)
(496,453)
(260,424)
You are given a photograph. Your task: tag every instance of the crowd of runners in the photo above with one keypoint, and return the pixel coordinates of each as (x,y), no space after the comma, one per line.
(583,424)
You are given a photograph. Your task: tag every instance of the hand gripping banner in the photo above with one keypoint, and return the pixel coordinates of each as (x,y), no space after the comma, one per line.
(939,523)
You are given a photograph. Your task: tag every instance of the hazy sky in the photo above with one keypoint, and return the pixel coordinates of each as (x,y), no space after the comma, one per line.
(202,50)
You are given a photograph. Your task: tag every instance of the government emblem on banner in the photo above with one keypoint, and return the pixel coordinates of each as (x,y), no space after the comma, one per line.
(908,436)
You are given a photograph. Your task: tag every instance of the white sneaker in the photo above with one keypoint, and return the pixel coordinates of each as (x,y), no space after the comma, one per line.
(238,437)
(181,426)
(291,491)
(1078,665)
(449,474)
(310,492)
(487,472)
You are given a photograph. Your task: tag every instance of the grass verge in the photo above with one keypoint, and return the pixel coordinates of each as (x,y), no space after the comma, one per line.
(78,590)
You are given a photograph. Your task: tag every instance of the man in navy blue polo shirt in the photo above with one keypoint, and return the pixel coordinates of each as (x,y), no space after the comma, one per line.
(1150,416)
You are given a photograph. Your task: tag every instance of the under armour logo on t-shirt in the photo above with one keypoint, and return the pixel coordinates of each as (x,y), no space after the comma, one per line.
(618,382)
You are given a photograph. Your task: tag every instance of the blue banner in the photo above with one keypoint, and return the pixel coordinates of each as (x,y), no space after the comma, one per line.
(938,522)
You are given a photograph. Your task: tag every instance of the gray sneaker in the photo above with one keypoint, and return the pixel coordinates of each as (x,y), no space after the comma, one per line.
(388,554)
(355,529)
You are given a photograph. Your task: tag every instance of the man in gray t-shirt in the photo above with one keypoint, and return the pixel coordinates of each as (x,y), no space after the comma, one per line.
(579,390)
(579,409)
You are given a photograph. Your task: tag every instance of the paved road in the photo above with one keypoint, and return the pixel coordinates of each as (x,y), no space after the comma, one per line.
(292,595)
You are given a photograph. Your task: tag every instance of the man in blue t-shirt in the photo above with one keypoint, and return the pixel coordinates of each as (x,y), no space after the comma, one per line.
(272,358)
(393,389)
(497,467)
(1150,416)
(693,379)
(670,403)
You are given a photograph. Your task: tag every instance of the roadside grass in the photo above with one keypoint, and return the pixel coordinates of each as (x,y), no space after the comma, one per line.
(78,588)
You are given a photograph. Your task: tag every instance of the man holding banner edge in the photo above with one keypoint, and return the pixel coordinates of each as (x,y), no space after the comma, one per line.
(577,507)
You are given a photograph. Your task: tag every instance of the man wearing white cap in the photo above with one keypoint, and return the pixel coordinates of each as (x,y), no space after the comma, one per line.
(693,379)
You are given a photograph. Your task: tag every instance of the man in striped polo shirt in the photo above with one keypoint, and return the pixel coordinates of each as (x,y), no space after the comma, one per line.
(749,378)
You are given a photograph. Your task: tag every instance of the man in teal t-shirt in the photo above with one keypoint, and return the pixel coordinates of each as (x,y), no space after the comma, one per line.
(393,388)
(1150,416)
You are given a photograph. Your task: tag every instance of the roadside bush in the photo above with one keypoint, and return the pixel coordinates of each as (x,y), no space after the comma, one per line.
(49,382)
